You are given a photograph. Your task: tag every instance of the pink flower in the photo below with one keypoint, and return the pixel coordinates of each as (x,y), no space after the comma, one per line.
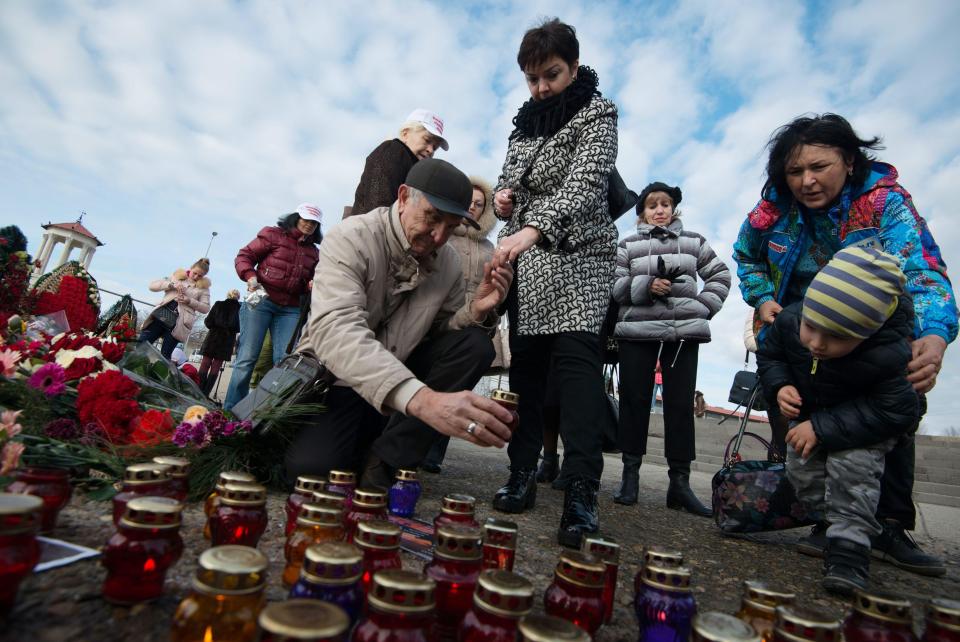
(8,423)
(8,362)
(50,378)
(762,505)
(10,457)
(734,494)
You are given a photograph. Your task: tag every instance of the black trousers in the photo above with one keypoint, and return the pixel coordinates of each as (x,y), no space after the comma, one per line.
(678,364)
(344,435)
(571,360)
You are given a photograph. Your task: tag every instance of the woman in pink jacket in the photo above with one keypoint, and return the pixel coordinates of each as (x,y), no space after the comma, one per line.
(186,293)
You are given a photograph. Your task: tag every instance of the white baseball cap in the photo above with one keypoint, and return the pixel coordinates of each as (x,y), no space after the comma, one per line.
(310,212)
(431,122)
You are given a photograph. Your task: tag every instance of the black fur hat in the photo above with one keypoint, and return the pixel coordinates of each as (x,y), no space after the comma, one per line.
(657,186)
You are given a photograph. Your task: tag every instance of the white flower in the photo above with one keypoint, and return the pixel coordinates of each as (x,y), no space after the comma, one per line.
(66,357)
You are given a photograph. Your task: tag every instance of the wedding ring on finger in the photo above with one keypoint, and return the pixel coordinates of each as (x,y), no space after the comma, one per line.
(472,428)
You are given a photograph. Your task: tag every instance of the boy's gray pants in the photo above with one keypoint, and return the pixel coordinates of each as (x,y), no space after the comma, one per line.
(844,484)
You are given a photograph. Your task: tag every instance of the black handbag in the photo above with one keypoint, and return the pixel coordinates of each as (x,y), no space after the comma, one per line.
(165,317)
(745,383)
(298,378)
(620,198)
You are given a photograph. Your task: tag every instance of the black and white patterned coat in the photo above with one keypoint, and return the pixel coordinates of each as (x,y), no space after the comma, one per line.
(685,312)
(563,283)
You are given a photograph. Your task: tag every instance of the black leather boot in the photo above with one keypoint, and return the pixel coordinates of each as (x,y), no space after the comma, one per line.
(630,480)
(549,468)
(580,513)
(679,494)
(519,493)
(846,567)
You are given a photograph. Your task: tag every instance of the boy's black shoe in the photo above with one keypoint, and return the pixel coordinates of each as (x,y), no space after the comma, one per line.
(894,545)
(519,493)
(581,516)
(846,568)
(814,544)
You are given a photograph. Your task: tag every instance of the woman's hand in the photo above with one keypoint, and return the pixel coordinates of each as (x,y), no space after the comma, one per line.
(503,203)
(252,284)
(769,311)
(516,244)
(660,287)
(926,361)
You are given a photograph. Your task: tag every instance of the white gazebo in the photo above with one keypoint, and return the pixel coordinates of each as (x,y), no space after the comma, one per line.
(73,236)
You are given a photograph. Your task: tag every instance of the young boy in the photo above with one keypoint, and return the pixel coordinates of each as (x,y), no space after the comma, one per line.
(836,365)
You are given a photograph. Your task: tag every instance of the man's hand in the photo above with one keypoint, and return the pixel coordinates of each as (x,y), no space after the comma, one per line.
(503,203)
(769,311)
(453,413)
(788,398)
(660,287)
(252,284)
(516,244)
(492,290)
(926,362)
(802,439)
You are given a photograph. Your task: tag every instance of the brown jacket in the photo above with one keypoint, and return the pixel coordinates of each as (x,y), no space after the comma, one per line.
(373,303)
(198,301)
(472,244)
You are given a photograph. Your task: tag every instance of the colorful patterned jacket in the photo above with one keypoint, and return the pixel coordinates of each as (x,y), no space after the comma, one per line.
(881,213)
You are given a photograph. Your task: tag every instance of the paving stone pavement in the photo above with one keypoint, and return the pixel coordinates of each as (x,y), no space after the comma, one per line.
(65,604)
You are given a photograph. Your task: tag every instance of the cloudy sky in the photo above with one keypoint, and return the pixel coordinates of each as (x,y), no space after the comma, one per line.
(165,122)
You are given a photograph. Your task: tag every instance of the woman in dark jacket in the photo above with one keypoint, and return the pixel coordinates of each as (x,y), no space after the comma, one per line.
(223,324)
(280,261)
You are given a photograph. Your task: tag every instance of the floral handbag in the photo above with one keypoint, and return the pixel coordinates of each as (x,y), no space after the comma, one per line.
(755,496)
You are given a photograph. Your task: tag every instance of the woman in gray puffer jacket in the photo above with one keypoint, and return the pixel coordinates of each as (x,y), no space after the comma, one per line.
(663,317)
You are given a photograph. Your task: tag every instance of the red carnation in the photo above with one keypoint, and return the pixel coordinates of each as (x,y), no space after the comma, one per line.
(112,352)
(109,400)
(82,367)
(152,427)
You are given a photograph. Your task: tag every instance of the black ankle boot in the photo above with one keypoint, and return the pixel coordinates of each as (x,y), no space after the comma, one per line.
(679,494)
(519,493)
(549,468)
(630,480)
(846,568)
(580,513)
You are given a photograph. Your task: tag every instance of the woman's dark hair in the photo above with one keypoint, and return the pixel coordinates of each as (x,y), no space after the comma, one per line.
(824,129)
(550,38)
(289,222)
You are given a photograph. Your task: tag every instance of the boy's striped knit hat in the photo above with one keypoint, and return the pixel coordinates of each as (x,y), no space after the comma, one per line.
(855,293)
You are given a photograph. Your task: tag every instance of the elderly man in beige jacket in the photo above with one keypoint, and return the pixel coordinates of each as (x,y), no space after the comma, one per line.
(389,319)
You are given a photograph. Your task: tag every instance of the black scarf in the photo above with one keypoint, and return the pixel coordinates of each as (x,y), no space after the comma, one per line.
(544,117)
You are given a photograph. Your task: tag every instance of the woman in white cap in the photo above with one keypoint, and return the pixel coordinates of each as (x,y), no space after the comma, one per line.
(281,261)
(387,165)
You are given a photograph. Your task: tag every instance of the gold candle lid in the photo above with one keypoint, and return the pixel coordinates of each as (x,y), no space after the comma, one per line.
(399,591)
(236,494)
(145,473)
(234,476)
(336,563)
(231,570)
(505,395)
(369,498)
(179,466)
(500,533)
(342,477)
(670,579)
(604,549)
(457,504)
(503,593)
(458,542)
(302,619)
(761,596)
(581,569)
(720,627)
(796,624)
(377,534)
(883,606)
(944,613)
(317,515)
(306,484)
(19,513)
(152,512)
(662,557)
(328,499)
(548,628)
(406,475)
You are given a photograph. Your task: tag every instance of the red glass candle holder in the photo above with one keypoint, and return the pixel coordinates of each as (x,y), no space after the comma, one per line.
(379,541)
(510,401)
(52,485)
(548,628)
(240,516)
(943,621)
(302,494)
(802,625)
(367,504)
(499,544)
(456,509)
(879,617)
(456,565)
(225,477)
(146,544)
(720,627)
(315,525)
(148,479)
(500,600)
(758,607)
(20,518)
(342,482)
(576,593)
(179,469)
(302,619)
(608,552)
(400,609)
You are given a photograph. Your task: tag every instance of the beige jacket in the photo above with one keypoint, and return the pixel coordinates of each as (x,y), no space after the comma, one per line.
(472,245)
(373,303)
(198,301)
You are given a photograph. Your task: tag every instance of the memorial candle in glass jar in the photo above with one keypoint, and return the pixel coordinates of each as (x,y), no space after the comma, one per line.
(20,518)
(657,556)
(758,607)
(315,525)
(499,544)
(879,617)
(608,552)
(148,479)
(225,477)
(379,541)
(240,516)
(510,401)
(548,628)
(720,627)
(302,493)
(457,562)
(342,482)
(456,509)
(400,608)
(51,485)
(179,475)
(367,504)
(306,620)
(500,600)
(803,625)
(576,593)
(943,621)
(331,572)
(664,605)
(404,493)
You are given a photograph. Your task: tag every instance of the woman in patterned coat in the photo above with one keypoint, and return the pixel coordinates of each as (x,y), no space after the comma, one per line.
(553,194)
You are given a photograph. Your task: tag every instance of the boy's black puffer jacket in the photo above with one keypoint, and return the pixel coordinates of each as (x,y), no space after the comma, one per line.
(855,401)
